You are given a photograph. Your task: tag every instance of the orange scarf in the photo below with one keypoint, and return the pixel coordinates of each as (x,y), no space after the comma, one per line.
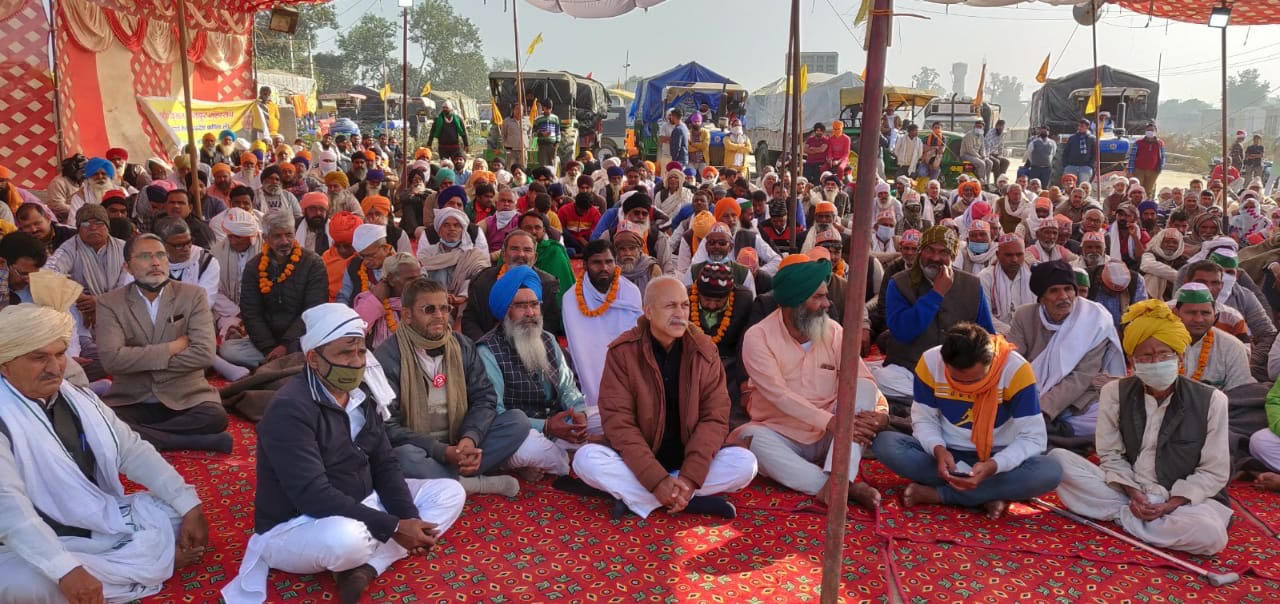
(986,398)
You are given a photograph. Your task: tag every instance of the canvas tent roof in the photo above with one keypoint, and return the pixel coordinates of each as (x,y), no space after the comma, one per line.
(648,104)
(1054,105)
(821,100)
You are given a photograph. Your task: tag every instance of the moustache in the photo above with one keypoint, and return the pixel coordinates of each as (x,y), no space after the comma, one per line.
(678,322)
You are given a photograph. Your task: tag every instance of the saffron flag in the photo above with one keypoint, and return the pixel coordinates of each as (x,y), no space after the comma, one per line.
(384,92)
(1095,100)
(1043,74)
(804,78)
(534,111)
(497,115)
(982,84)
(426,89)
(534,44)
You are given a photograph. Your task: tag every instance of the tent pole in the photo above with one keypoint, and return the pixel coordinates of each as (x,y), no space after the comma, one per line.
(1226,166)
(796,109)
(57,97)
(404,101)
(518,112)
(1097,111)
(193,191)
(859,250)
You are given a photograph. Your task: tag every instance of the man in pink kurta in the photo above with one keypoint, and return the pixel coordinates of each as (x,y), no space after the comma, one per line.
(838,146)
(791,358)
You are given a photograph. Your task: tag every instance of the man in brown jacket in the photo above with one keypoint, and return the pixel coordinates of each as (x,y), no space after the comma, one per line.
(156,339)
(665,441)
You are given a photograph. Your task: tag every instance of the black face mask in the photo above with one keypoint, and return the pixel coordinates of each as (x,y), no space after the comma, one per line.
(1123,224)
(151,289)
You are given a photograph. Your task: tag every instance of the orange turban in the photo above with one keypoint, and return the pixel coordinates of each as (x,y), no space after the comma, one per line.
(700,226)
(376,201)
(342,227)
(824,207)
(248,159)
(648,165)
(727,205)
(221,168)
(337,178)
(314,199)
(422,153)
(972,186)
(304,154)
(794,259)
(289,170)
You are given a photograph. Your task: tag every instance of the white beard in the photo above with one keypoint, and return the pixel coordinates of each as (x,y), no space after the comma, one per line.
(527,340)
(815,326)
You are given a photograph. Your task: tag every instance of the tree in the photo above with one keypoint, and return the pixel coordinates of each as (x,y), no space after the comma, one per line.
(368,48)
(927,79)
(1005,91)
(1247,88)
(275,50)
(452,58)
(332,73)
(501,64)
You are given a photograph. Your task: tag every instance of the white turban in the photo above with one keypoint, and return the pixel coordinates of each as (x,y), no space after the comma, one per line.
(504,177)
(447,212)
(328,322)
(882,187)
(241,223)
(28,327)
(367,235)
(328,161)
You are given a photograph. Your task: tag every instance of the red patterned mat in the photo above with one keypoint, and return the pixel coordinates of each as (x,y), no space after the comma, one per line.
(1030,529)
(546,545)
(1262,505)
(945,572)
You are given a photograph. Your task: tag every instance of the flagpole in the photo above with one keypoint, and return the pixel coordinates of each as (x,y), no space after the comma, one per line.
(519,108)
(1097,110)
(796,108)
(194,175)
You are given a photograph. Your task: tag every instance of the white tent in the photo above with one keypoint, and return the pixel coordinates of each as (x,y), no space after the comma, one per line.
(821,101)
(593,9)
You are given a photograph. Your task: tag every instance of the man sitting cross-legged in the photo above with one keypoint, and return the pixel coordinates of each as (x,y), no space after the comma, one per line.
(444,422)
(70,531)
(978,434)
(157,339)
(529,372)
(330,493)
(792,357)
(1164,458)
(665,413)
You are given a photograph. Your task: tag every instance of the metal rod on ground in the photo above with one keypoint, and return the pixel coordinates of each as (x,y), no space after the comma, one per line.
(796,109)
(1214,579)
(855,294)
(1097,110)
(519,109)
(1226,166)
(194,175)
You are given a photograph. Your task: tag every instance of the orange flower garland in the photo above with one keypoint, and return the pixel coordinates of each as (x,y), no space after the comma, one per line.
(387,314)
(608,298)
(695,316)
(1202,363)
(264,284)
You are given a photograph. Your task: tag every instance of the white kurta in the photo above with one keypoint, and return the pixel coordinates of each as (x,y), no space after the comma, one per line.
(589,337)
(1228,365)
(1005,295)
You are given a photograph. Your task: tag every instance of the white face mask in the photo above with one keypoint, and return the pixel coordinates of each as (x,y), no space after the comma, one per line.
(884,233)
(978,131)
(1157,375)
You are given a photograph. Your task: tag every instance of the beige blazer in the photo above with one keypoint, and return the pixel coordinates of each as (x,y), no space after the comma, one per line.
(135,352)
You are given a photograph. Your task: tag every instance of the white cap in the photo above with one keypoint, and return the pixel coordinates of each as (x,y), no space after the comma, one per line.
(367,235)
(328,322)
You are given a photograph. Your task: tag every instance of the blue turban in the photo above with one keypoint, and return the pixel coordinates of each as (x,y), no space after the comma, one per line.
(555,189)
(444,174)
(375,175)
(99,164)
(505,288)
(301,161)
(258,154)
(225,134)
(691,172)
(613,171)
(450,192)
(1148,205)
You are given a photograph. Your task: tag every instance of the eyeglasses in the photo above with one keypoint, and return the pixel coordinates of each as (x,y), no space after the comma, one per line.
(526,306)
(431,309)
(179,246)
(149,256)
(1155,358)
(93,224)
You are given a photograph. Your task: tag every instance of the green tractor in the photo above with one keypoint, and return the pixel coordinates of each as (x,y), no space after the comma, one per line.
(907,103)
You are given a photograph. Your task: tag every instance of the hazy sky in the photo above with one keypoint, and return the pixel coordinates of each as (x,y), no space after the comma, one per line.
(745,40)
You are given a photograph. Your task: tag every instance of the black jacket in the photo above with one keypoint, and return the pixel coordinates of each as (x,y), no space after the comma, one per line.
(477,320)
(308,464)
(276,318)
(482,401)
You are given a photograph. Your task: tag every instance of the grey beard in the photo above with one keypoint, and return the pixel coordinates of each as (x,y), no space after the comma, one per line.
(271,190)
(527,340)
(930,272)
(360,174)
(814,326)
(1092,260)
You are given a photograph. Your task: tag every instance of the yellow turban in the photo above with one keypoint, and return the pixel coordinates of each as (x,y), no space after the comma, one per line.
(52,295)
(337,178)
(1153,319)
(701,225)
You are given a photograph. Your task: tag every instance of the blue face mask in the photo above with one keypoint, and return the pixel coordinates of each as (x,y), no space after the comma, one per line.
(885,233)
(979,247)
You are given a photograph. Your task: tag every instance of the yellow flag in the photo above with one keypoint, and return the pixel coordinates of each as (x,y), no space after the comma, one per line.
(535,111)
(497,115)
(982,84)
(1043,74)
(804,78)
(426,89)
(864,11)
(534,44)
(385,92)
(863,77)
(1095,100)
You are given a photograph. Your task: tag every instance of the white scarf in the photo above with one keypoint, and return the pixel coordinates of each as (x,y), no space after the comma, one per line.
(98,271)
(587,336)
(674,201)
(969,262)
(1113,240)
(1008,294)
(1040,255)
(132,546)
(231,265)
(1087,326)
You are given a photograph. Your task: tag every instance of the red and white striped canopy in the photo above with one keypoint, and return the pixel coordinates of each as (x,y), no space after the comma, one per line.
(1243,12)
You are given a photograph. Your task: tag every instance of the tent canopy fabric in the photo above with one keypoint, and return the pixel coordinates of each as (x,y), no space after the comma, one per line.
(1054,104)
(821,100)
(586,9)
(648,104)
(1243,12)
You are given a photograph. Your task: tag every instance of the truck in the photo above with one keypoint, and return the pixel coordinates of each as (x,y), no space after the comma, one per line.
(1129,104)
(958,113)
(686,87)
(581,103)
(909,104)
(820,102)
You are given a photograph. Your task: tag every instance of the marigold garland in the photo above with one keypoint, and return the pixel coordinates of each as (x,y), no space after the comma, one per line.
(695,316)
(608,298)
(1202,362)
(389,316)
(264,284)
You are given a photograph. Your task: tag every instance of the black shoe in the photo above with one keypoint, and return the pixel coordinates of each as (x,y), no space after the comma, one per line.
(711,505)
(352,583)
(574,486)
(620,510)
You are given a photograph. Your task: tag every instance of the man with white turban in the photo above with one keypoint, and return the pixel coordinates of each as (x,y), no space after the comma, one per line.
(70,531)
(330,494)
(232,252)
(454,258)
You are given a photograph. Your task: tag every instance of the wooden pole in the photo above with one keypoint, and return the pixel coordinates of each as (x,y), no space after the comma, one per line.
(404,102)
(797,109)
(786,112)
(1097,111)
(855,295)
(1226,167)
(518,112)
(57,97)
(186,94)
